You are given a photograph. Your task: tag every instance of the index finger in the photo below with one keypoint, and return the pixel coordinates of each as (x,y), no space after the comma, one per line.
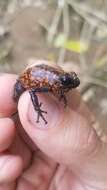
(7,104)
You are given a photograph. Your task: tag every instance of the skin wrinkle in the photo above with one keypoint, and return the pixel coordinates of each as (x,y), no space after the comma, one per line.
(60,179)
(48,185)
(90,140)
(21,148)
(92,121)
(92,183)
(53,177)
(89,155)
(41,158)
(79,184)
(54,173)
(26,181)
(8,186)
(88,186)
(76,135)
(61,175)
(90,136)
(44,160)
(96,148)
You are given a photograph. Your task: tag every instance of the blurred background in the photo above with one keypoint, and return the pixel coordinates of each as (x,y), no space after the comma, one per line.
(72,33)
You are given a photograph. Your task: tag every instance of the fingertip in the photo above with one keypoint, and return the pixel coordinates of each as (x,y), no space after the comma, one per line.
(7,133)
(7,105)
(10,168)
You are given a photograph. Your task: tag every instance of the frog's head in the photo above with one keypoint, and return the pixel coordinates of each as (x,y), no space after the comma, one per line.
(69,80)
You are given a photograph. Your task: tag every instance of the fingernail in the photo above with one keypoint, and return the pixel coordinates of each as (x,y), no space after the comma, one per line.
(53,109)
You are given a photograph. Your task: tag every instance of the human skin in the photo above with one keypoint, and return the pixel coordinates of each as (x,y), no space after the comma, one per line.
(66,154)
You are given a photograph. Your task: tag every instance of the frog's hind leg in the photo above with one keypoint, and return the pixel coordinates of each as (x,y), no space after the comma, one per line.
(37,105)
(18,90)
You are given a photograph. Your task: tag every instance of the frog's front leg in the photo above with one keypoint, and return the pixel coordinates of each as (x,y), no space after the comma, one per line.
(36,104)
(63,97)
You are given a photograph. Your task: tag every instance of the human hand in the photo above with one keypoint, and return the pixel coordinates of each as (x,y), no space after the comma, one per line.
(65,154)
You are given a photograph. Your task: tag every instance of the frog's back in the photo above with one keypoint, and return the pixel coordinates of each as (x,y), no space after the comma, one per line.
(39,76)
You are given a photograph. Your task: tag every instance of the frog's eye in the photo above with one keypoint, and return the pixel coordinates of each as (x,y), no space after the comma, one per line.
(66,80)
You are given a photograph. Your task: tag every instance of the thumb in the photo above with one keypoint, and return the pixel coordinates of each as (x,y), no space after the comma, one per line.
(69,137)
(68,133)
